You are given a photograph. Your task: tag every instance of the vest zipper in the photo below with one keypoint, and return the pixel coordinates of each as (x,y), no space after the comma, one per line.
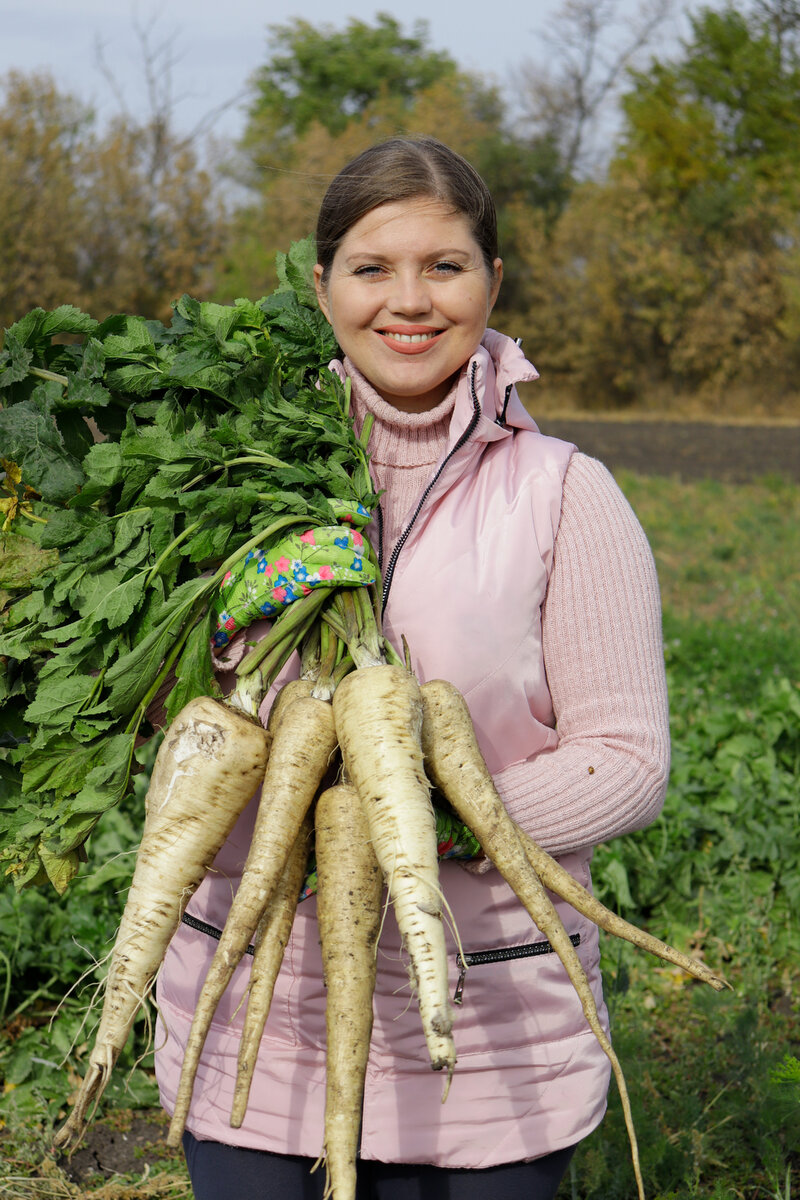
(401,541)
(480,958)
(209,930)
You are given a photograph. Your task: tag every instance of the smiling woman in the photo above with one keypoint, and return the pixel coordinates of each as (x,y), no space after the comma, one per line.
(512,566)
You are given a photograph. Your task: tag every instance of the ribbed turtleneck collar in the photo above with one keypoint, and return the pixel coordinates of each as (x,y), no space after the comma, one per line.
(422,435)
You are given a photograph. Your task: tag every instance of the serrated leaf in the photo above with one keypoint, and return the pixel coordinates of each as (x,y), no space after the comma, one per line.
(296,271)
(194,671)
(57,700)
(134,339)
(103,467)
(139,378)
(130,527)
(65,526)
(15,359)
(154,442)
(61,868)
(106,784)
(116,605)
(190,372)
(85,393)
(60,766)
(130,676)
(66,319)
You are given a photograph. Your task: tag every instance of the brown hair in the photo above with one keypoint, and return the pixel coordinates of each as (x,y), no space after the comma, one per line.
(405,168)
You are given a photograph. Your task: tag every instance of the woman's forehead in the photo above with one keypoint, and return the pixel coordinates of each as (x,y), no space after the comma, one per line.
(389,223)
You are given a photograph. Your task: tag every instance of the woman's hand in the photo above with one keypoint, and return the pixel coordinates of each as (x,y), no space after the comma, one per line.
(265,581)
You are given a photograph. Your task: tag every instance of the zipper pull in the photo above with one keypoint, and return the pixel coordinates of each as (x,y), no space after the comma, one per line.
(458,994)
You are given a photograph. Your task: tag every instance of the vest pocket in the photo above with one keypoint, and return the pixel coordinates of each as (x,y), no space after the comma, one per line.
(478,958)
(516,997)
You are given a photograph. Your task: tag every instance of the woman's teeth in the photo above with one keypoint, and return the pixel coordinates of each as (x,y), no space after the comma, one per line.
(412,337)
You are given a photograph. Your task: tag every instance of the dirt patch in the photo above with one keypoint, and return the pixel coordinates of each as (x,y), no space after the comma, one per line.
(127,1143)
(689,450)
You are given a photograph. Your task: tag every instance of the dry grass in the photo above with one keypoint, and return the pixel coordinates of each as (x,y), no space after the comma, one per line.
(51,1183)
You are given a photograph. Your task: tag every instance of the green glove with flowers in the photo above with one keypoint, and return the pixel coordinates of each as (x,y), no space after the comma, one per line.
(265,581)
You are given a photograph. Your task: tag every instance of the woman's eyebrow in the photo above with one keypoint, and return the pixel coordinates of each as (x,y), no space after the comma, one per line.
(386,256)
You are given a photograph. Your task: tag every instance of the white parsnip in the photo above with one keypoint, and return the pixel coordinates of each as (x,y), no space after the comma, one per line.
(302,748)
(558,880)
(456,766)
(271,938)
(378,714)
(210,764)
(350,885)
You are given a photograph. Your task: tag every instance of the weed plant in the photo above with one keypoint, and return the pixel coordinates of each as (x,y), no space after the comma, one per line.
(714,1078)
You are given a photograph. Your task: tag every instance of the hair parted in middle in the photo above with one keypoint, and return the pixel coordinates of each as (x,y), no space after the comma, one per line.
(405,168)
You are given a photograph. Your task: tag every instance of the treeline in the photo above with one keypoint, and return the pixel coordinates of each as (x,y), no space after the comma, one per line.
(666,272)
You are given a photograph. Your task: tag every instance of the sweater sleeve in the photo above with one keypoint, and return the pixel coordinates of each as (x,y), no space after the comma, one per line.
(603,652)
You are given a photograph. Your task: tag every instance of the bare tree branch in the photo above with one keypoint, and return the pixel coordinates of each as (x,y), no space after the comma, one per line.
(159,60)
(592,44)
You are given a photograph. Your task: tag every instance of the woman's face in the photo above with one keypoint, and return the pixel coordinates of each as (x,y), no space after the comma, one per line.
(408,296)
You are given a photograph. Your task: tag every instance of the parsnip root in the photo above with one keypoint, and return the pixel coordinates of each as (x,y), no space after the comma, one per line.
(208,768)
(558,880)
(350,885)
(302,747)
(271,938)
(455,764)
(378,714)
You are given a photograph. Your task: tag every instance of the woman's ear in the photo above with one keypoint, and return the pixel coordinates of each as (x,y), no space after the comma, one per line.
(494,290)
(321,290)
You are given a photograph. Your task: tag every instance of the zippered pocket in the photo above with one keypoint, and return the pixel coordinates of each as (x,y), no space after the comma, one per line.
(478,958)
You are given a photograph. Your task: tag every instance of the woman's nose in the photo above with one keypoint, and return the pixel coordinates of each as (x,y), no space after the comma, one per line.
(409,294)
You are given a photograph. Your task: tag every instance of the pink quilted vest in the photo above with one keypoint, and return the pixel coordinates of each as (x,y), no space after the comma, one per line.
(465,587)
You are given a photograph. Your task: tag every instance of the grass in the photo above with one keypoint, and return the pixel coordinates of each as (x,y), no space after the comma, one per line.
(726,553)
(714,1079)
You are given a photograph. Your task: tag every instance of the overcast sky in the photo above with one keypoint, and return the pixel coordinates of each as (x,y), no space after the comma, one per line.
(216,44)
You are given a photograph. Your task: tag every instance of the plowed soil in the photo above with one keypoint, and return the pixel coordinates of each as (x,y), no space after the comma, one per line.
(687,450)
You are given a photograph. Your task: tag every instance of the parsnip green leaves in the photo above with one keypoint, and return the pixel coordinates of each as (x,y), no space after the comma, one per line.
(148,455)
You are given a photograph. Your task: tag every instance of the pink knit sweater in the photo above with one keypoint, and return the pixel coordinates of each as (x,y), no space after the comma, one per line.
(589,666)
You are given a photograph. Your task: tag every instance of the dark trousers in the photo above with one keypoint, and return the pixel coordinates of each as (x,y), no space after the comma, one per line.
(221,1172)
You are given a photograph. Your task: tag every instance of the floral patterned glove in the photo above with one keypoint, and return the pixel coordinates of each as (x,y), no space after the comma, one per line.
(264,582)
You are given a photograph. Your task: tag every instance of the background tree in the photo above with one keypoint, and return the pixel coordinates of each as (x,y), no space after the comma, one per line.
(667,264)
(722,121)
(42,136)
(326,94)
(566,92)
(678,274)
(152,226)
(118,219)
(318,74)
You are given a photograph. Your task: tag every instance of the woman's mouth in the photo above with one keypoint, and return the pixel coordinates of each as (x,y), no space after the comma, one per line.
(409,340)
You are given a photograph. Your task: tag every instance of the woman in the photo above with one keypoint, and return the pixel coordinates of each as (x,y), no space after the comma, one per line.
(514,568)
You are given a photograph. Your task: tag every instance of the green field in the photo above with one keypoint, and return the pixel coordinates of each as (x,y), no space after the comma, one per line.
(714,1078)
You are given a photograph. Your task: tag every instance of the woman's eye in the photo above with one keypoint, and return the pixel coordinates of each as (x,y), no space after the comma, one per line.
(369,270)
(446,268)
